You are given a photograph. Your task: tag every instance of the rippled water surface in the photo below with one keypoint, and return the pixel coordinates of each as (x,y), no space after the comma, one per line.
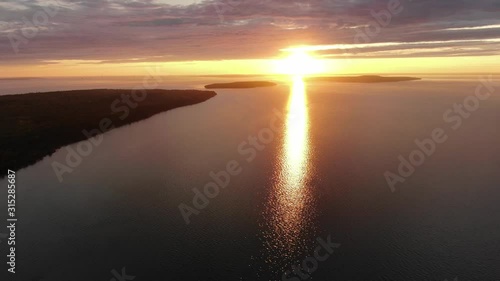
(312,158)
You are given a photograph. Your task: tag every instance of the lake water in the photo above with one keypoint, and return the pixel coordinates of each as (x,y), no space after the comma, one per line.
(311,160)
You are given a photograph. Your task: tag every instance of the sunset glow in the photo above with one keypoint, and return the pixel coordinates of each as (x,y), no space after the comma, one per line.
(250,140)
(275,38)
(301,63)
(270,66)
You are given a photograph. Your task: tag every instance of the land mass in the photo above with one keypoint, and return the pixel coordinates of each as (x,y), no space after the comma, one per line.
(363,79)
(241,85)
(35,125)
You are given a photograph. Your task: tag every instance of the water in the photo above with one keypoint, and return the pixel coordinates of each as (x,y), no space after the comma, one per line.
(319,173)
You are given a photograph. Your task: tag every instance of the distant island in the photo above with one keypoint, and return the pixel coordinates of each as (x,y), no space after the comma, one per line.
(35,125)
(241,85)
(363,79)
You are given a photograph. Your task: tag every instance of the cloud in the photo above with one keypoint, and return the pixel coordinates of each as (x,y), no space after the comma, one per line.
(121,31)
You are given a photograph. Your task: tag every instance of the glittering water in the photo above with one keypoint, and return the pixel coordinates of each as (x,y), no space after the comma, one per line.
(289,211)
(323,174)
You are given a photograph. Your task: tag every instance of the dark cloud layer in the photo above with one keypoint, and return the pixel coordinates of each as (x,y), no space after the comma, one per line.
(161,30)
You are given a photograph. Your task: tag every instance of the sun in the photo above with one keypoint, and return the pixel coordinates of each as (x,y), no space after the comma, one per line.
(299,63)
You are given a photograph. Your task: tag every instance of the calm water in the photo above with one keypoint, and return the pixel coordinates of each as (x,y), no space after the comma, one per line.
(316,171)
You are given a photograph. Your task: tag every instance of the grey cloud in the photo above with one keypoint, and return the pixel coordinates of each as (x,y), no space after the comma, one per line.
(113,30)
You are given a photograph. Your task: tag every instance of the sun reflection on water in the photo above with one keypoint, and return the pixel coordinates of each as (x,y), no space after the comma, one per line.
(289,210)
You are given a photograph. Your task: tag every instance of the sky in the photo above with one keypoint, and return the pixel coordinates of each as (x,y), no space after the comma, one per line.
(124,37)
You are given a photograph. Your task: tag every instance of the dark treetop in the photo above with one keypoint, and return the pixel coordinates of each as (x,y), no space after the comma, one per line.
(37,124)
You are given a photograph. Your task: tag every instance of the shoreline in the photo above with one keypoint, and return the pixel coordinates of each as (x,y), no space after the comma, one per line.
(36,125)
(363,79)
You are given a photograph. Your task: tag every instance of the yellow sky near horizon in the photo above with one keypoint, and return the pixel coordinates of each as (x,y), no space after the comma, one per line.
(448,65)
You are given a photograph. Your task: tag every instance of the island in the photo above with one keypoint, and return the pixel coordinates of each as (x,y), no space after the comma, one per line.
(363,79)
(35,125)
(241,85)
